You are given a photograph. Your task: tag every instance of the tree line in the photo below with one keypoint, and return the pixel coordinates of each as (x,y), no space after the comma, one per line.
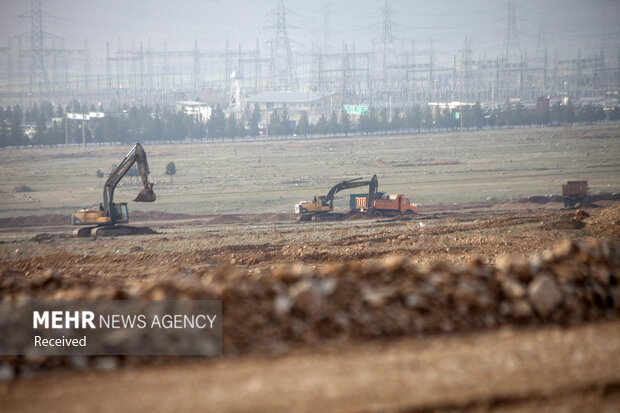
(166,125)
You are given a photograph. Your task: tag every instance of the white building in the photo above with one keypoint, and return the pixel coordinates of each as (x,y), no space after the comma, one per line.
(200,111)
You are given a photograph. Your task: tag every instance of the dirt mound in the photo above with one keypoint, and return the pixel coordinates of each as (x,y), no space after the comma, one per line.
(539,199)
(563,224)
(296,304)
(226,219)
(606,221)
(251,218)
(22,188)
(380,163)
(275,217)
(35,221)
(580,215)
(587,205)
(159,216)
(605,196)
(545,199)
(354,216)
(46,237)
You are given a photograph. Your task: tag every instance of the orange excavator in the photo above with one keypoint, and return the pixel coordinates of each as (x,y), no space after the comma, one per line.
(105,220)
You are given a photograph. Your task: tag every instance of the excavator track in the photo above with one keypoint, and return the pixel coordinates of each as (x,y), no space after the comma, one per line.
(111,231)
(83,232)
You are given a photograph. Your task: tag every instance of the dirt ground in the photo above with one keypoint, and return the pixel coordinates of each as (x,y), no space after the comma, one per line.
(253,242)
(514,367)
(543,370)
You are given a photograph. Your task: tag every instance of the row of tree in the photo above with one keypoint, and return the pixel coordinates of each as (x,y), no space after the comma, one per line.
(157,124)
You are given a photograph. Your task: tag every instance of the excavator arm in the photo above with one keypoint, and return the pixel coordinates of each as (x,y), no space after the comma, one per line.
(352,183)
(136,154)
(373,186)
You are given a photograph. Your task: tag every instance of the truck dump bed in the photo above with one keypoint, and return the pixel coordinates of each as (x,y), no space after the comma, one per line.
(575,189)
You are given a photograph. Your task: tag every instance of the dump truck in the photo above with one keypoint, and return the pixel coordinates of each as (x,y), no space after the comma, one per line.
(105,219)
(383,204)
(575,192)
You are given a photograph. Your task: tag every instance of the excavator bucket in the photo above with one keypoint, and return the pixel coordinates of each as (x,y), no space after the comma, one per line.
(146,195)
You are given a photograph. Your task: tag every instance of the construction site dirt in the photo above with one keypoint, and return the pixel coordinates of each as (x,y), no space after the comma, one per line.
(274,246)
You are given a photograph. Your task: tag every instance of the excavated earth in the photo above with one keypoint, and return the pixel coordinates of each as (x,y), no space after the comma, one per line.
(486,307)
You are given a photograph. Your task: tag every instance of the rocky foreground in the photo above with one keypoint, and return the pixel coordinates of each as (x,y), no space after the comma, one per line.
(278,310)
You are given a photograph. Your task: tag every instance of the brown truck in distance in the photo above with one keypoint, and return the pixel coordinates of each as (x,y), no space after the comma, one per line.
(386,205)
(574,192)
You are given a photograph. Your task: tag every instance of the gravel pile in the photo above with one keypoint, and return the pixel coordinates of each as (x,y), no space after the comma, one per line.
(296,304)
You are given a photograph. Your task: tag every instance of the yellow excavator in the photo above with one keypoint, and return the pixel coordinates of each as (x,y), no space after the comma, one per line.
(322,204)
(104,220)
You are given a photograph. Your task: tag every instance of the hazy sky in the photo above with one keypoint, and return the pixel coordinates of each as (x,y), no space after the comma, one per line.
(565,25)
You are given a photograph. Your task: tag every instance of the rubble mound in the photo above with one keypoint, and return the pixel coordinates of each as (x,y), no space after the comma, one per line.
(580,215)
(606,221)
(359,300)
(566,223)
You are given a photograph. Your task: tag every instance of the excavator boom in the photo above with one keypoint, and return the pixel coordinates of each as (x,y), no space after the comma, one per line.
(136,154)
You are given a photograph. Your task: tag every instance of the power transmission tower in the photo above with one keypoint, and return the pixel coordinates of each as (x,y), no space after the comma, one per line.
(327,14)
(227,67)
(257,68)
(345,89)
(196,76)
(540,41)
(387,41)
(150,66)
(511,35)
(431,80)
(141,61)
(283,75)
(466,69)
(86,67)
(320,75)
(10,64)
(38,76)
(165,72)
(108,76)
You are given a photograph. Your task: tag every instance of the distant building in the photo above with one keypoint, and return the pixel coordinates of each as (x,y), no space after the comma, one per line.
(451,105)
(200,111)
(315,104)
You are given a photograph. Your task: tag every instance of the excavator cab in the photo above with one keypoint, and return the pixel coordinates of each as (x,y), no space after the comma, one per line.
(120,212)
(320,200)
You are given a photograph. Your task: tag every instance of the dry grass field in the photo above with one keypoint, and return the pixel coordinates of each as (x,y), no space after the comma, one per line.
(270,177)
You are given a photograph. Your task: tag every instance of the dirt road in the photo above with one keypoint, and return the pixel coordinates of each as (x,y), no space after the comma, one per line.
(503,370)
